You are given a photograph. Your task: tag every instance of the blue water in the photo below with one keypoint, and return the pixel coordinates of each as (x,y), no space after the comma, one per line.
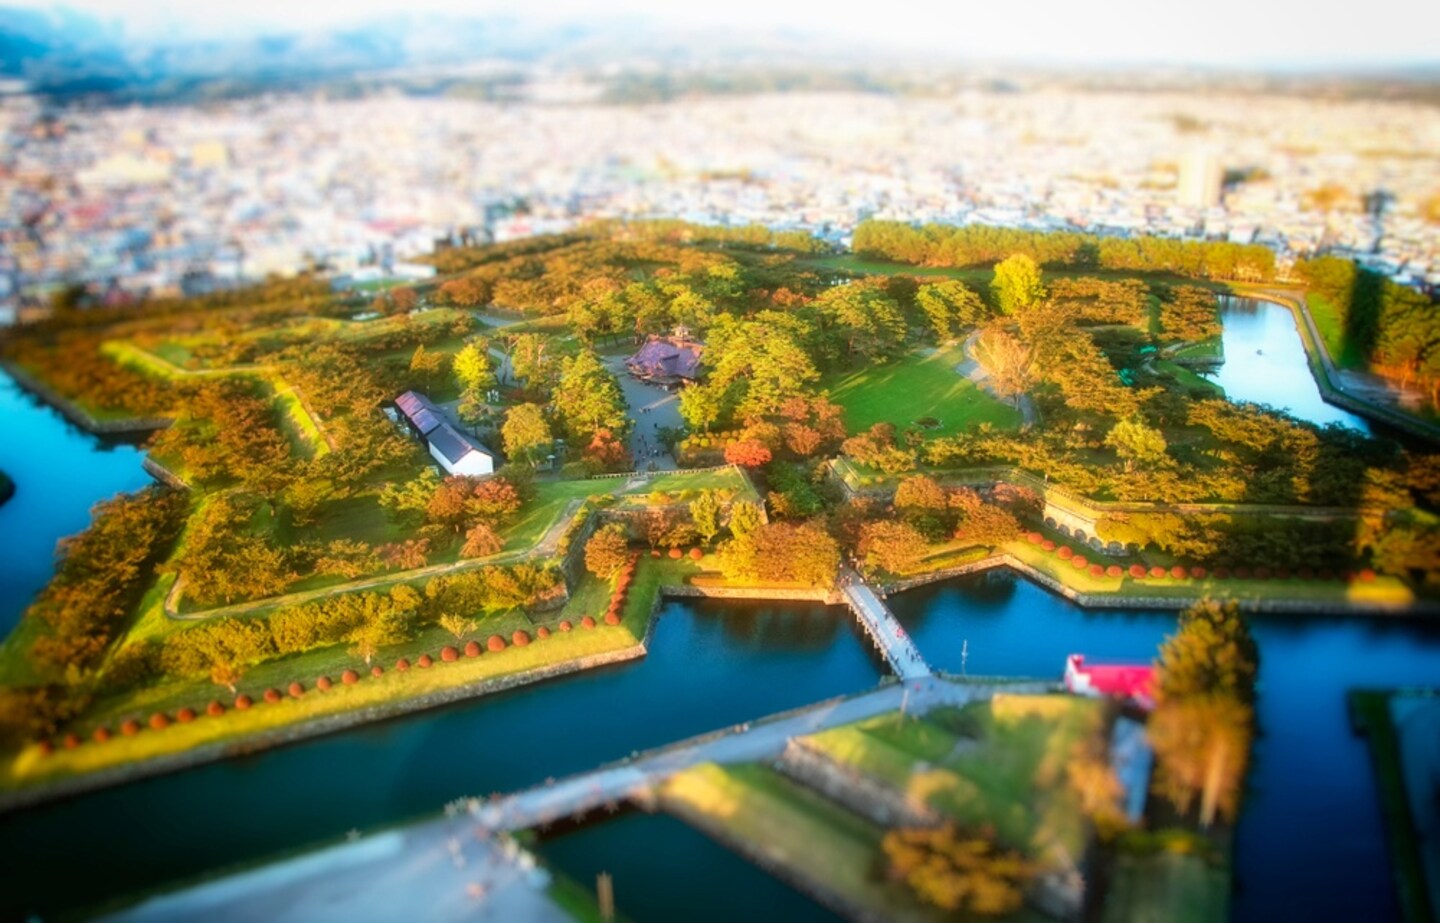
(60,471)
(1310,843)
(1265,363)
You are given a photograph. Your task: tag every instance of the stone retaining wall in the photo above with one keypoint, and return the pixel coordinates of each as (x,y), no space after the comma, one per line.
(75,413)
(851,789)
(777,594)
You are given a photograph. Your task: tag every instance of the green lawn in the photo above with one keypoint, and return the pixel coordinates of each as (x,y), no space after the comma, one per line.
(1189,378)
(913,387)
(998,764)
(1209,350)
(1166,888)
(812,837)
(1343,353)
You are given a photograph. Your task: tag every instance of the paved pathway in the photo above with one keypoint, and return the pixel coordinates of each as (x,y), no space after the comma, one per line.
(884,629)
(652,409)
(765,739)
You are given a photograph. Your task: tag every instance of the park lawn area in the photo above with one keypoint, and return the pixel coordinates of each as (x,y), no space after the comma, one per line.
(689,483)
(999,764)
(1208,350)
(1189,378)
(913,387)
(1327,319)
(392,688)
(1166,887)
(759,810)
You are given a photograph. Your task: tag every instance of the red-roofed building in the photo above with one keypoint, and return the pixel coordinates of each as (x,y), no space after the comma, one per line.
(1118,681)
(666,361)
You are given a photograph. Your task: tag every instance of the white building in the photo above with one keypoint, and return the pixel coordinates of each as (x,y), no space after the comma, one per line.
(457,453)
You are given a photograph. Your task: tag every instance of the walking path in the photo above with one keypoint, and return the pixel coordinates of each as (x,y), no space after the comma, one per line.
(652,409)
(884,629)
(766,739)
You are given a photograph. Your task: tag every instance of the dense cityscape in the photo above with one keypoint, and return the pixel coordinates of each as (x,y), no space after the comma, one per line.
(139,200)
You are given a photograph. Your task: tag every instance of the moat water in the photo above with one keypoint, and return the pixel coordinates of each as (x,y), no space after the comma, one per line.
(1310,843)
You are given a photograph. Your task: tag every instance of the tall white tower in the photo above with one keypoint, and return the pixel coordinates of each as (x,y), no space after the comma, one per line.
(1200,179)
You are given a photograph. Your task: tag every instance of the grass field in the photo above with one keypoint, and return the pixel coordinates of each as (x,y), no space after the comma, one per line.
(809,836)
(914,387)
(1166,888)
(1209,350)
(1189,378)
(1327,319)
(998,764)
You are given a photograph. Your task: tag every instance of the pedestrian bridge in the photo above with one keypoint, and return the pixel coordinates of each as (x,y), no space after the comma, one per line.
(884,629)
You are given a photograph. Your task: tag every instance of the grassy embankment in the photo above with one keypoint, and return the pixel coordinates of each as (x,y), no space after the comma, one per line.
(370,698)
(914,387)
(1370,714)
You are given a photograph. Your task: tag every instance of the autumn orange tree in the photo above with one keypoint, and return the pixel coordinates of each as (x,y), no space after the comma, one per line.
(958,872)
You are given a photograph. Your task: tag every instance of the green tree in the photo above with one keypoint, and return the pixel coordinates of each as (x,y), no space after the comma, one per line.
(1211,653)
(1017,284)
(607,551)
(587,399)
(526,433)
(473,368)
(745,518)
(457,625)
(950,306)
(381,628)
(702,406)
(705,515)
(1136,443)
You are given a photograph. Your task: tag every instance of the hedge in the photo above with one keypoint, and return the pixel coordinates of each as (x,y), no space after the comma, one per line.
(449,654)
(296,690)
(520,638)
(1078,562)
(72,740)
(612,618)
(495,643)
(215,709)
(272,695)
(1197,572)
(1097,570)
(696,554)
(1047,545)
(1137,570)
(1114,570)
(349,677)
(130,727)
(1065,552)
(425,661)
(323,684)
(1157,571)
(159,721)
(565,625)
(185,715)
(472,648)
(243,701)
(101,734)
(377,670)
(587,622)
(402,664)
(542,632)
(1178,572)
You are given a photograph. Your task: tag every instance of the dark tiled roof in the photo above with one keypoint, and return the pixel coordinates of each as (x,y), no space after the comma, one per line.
(665,358)
(420,411)
(452,444)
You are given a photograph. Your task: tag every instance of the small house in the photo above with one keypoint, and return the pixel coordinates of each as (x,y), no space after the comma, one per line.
(456,452)
(666,361)
(1133,683)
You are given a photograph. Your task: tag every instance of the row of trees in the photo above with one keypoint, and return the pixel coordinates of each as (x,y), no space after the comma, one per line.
(980,245)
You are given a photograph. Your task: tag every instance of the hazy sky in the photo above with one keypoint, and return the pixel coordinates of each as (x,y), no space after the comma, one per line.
(1224,32)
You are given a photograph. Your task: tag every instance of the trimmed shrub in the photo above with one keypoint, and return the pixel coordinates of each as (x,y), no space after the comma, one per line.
(272,695)
(1157,571)
(1366,575)
(1282,573)
(1097,570)
(654,552)
(520,638)
(472,648)
(1220,573)
(243,701)
(565,625)
(612,618)
(1114,570)
(1197,572)
(1047,545)
(349,677)
(1034,538)
(495,643)
(1078,562)
(1242,573)
(1178,572)
(323,684)
(676,553)
(377,670)
(185,715)
(696,554)
(72,740)
(587,622)
(159,721)
(46,747)
(1326,573)
(1065,553)
(214,709)
(424,661)
(130,727)
(449,654)
(542,632)
(296,689)
(1306,572)
(1137,570)
(100,734)
(402,664)
(1262,572)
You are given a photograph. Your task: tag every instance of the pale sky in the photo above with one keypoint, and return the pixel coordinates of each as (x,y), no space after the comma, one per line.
(1221,32)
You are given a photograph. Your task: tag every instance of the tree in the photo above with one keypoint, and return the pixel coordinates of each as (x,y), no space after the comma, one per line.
(705,515)
(448,505)
(607,551)
(702,406)
(958,873)
(1010,362)
(867,316)
(982,523)
(481,541)
(428,367)
(1202,747)
(950,306)
(895,547)
(526,433)
(380,629)
(587,398)
(1136,443)
(457,625)
(227,672)
(745,518)
(747,453)
(472,367)
(1211,653)
(606,451)
(1017,284)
